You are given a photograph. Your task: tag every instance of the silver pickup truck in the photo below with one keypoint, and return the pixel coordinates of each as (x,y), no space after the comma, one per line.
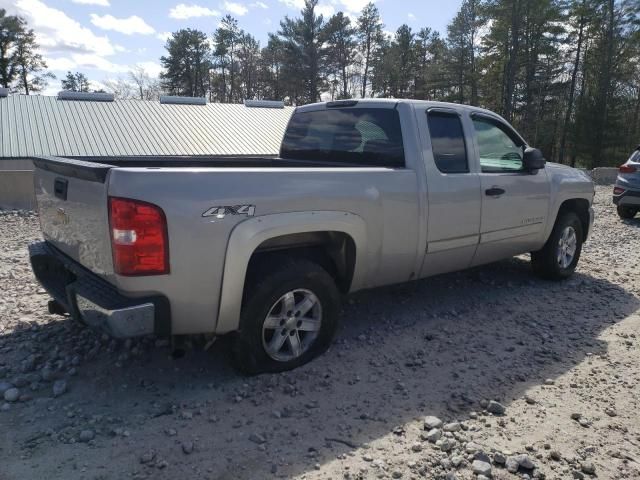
(364,193)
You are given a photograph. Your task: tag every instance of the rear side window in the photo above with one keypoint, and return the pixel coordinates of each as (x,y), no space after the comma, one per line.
(354,136)
(635,156)
(447,142)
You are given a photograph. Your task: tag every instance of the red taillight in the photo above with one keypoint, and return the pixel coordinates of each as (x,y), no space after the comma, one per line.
(618,190)
(138,237)
(627,169)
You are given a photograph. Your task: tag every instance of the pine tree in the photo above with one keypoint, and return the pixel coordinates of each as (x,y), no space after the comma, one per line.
(462,36)
(339,37)
(76,82)
(187,63)
(30,64)
(369,31)
(227,39)
(272,58)
(305,54)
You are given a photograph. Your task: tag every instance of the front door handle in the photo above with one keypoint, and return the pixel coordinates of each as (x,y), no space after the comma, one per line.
(494,191)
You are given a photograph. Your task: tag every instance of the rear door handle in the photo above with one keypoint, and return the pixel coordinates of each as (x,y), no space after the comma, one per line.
(494,191)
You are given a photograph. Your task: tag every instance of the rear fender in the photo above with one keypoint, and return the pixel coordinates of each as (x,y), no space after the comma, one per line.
(248,235)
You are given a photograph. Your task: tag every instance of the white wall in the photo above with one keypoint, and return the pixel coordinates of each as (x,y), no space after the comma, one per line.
(16,184)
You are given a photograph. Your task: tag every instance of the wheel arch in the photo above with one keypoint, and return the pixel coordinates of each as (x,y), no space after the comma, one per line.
(336,240)
(579,206)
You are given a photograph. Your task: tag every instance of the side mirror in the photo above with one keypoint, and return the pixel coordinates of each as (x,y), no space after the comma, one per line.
(533,159)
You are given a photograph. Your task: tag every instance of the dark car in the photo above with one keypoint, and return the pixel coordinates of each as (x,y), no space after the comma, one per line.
(626,192)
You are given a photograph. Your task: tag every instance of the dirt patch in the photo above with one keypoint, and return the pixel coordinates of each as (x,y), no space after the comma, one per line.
(530,379)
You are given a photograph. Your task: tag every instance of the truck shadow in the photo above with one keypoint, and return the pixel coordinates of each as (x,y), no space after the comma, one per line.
(433,347)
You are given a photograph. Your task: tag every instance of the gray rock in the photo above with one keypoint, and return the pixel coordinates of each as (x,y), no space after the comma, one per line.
(472,447)
(496,408)
(555,455)
(12,395)
(445,444)
(148,457)
(59,388)
(431,422)
(396,474)
(584,423)
(452,427)
(481,468)
(257,438)
(187,448)
(482,456)
(499,458)
(416,447)
(525,462)
(512,464)
(588,467)
(434,435)
(538,475)
(20,381)
(4,386)
(87,436)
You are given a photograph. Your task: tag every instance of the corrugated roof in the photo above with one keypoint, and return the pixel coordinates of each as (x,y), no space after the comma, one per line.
(39,125)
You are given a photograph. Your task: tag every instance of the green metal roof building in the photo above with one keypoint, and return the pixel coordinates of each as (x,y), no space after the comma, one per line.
(94,125)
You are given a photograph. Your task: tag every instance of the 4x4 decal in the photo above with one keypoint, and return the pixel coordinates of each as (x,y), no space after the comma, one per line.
(221,212)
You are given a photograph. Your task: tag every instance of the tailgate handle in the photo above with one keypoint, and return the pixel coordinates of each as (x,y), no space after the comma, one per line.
(60,188)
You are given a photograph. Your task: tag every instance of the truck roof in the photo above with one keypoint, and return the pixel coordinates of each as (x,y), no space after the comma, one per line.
(391,103)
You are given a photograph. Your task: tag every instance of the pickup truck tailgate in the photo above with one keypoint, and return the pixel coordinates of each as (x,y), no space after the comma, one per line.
(72,204)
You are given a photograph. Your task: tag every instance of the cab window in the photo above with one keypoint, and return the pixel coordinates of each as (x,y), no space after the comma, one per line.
(500,150)
(349,136)
(447,142)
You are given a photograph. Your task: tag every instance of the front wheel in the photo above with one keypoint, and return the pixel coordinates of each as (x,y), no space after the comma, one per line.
(289,316)
(559,257)
(626,212)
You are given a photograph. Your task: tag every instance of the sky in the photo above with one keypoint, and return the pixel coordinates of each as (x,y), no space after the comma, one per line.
(104,38)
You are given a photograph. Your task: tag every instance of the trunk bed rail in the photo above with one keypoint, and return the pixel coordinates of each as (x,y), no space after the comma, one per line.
(90,171)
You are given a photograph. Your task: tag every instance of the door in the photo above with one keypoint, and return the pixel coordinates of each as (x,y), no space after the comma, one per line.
(453,192)
(515,202)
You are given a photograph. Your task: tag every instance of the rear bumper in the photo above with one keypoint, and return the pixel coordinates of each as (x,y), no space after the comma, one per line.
(95,301)
(627,197)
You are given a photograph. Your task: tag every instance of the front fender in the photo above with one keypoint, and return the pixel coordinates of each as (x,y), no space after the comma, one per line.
(567,184)
(248,235)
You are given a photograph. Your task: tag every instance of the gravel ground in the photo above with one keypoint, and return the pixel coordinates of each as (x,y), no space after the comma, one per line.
(525,379)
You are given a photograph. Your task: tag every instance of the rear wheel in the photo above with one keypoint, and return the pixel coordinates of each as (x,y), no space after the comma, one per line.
(626,212)
(289,316)
(559,257)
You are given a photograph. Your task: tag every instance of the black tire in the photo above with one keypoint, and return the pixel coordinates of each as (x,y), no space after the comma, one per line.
(266,285)
(545,261)
(626,213)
